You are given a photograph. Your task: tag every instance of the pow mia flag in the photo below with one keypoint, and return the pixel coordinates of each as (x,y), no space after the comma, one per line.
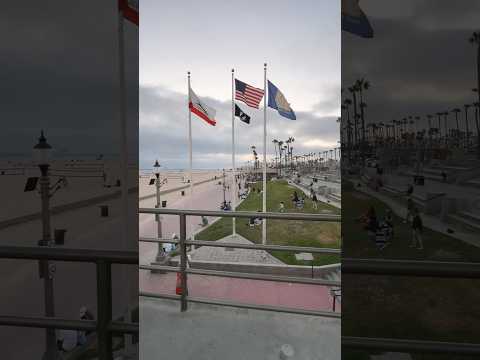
(242,116)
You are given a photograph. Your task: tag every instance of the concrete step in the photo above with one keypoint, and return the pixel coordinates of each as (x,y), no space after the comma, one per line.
(465,223)
(473,183)
(471,216)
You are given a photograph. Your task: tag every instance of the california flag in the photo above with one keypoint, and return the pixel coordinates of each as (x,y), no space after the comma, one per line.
(201,110)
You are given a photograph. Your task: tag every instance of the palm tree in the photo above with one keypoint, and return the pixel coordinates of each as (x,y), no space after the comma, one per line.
(429,117)
(467,106)
(439,114)
(361,85)
(255,157)
(456,111)
(275,142)
(347,103)
(280,144)
(475,40)
(353,91)
(288,142)
(417,122)
(445,113)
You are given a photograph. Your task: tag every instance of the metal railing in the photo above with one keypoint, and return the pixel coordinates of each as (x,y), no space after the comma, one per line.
(411,268)
(105,327)
(184,298)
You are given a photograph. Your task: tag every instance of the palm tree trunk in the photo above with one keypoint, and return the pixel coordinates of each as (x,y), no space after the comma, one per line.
(362,115)
(355,115)
(478,93)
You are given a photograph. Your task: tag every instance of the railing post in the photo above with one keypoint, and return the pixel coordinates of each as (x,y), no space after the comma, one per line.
(183,262)
(104,310)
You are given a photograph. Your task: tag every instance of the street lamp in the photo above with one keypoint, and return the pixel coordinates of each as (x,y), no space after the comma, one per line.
(156,171)
(42,157)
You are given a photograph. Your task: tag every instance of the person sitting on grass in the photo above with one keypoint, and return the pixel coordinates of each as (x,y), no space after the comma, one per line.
(369,219)
(295,197)
(258,220)
(389,220)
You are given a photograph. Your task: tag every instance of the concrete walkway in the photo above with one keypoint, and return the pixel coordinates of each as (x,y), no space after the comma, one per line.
(429,222)
(320,198)
(218,254)
(209,332)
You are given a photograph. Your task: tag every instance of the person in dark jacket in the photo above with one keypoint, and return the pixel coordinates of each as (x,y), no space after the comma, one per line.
(417,230)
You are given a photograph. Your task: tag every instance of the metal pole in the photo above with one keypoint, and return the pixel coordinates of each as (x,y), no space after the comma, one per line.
(158,218)
(264,221)
(190,158)
(104,308)
(124,171)
(183,262)
(234,182)
(51,341)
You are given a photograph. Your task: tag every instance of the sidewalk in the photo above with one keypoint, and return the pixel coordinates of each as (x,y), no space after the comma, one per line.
(429,222)
(320,198)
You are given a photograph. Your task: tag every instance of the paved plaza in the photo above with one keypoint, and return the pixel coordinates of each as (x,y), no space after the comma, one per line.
(245,334)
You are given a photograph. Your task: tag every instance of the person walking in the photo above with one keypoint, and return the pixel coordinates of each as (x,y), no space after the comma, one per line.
(314,201)
(282,207)
(417,230)
(410,208)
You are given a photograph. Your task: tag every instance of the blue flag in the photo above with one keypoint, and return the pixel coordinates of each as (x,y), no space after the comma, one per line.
(277,101)
(354,20)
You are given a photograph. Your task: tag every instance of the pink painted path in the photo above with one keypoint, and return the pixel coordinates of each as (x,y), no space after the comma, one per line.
(208,197)
(258,292)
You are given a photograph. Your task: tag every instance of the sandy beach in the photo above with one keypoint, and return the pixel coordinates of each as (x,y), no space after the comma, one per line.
(74,283)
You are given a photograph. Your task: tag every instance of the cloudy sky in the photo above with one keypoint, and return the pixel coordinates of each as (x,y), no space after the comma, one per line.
(419,62)
(60,73)
(301,45)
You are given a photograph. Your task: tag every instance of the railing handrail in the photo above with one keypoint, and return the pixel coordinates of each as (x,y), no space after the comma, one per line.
(416,268)
(244,246)
(68,254)
(103,260)
(183,242)
(410,345)
(243,214)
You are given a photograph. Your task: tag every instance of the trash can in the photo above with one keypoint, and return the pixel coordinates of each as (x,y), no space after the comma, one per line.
(164,203)
(59,236)
(104,210)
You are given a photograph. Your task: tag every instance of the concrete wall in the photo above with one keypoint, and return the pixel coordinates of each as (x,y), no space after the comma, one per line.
(270,269)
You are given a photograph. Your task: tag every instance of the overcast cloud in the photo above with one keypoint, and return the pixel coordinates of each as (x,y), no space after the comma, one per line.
(301,45)
(419,61)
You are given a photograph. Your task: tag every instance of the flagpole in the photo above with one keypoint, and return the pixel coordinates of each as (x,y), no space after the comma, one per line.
(190,152)
(124,168)
(234,182)
(264,222)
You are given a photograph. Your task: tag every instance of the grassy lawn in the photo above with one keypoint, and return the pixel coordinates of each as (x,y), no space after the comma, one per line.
(281,232)
(437,246)
(406,307)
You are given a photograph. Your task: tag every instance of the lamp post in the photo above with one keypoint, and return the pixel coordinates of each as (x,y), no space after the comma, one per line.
(156,171)
(224,188)
(42,155)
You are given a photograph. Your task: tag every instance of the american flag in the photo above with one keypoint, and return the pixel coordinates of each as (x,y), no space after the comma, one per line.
(248,94)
